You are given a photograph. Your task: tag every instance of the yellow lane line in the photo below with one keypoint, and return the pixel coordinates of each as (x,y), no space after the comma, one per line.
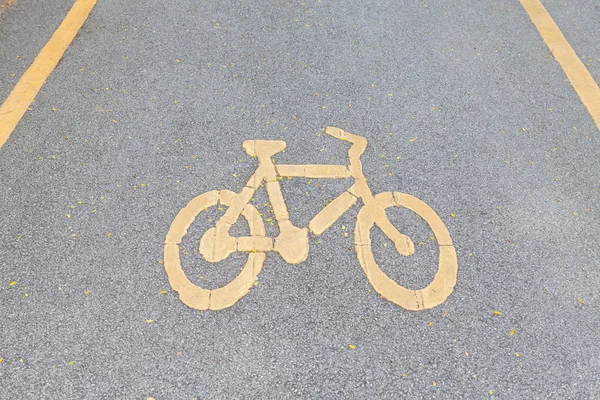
(4,4)
(578,75)
(29,85)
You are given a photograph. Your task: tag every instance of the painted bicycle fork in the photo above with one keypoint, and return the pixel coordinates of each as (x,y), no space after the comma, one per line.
(292,243)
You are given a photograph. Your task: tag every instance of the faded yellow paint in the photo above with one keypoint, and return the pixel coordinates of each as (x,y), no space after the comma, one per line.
(332,211)
(191,294)
(254,244)
(444,280)
(292,243)
(313,171)
(576,72)
(277,201)
(4,4)
(19,99)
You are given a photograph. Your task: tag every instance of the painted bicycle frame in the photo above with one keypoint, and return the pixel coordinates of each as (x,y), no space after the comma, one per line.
(292,242)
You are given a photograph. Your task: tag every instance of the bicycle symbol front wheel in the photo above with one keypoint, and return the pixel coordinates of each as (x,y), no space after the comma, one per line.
(444,280)
(191,294)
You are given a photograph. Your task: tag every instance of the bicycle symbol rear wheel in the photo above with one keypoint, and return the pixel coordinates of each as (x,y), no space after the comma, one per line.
(191,294)
(444,280)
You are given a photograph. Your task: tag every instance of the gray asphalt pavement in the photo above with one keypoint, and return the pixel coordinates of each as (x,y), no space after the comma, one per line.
(580,23)
(149,108)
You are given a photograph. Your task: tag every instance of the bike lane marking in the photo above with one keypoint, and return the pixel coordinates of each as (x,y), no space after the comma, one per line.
(580,78)
(24,92)
(292,243)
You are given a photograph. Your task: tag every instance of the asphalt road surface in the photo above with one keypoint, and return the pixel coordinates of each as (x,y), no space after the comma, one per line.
(462,105)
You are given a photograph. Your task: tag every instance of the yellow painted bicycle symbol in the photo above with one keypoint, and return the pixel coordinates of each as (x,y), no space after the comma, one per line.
(292,243)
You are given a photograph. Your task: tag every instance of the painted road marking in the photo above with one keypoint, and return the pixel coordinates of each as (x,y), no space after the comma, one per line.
(5,4)
(15,105)
(578,75)
(292,243)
